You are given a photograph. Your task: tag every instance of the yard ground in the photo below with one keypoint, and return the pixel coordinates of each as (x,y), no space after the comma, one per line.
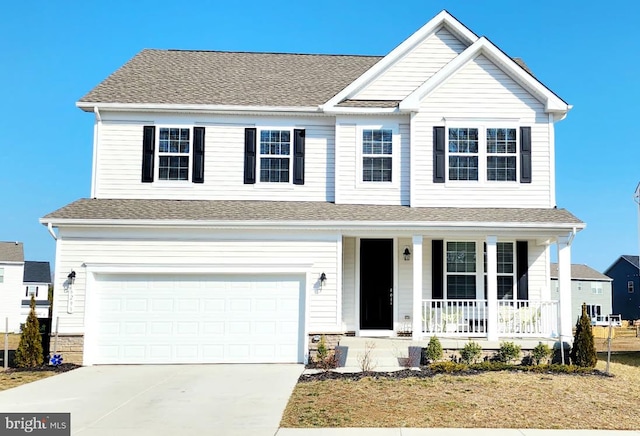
(490,400)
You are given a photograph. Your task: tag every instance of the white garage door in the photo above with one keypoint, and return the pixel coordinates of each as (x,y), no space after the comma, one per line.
(185,319)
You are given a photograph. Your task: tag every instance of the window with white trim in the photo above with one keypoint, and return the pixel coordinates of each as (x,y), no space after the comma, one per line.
(460,270)
(630,287)
(377,155)
(481,153)
(596,288)
(275,155)
(506,271)
(594,310)
(31,290)
(174,153)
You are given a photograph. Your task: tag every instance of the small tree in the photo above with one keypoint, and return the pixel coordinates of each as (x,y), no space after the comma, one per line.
(29,352)
(433,352)
(583,352)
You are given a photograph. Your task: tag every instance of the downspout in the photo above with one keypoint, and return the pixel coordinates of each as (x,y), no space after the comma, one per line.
(96,132)
(51,232)
(571,236)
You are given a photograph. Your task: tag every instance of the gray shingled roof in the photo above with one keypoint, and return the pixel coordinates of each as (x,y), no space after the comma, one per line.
(633,260)
(202,210)
(580,272)
(36,272)
(369,103)
(11,252)
(230,78)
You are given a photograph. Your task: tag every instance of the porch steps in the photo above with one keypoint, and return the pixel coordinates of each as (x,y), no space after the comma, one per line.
(392,353)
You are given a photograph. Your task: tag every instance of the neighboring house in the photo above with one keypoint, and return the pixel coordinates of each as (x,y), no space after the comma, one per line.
(243,202)
(626,287)
(19,279)
(36,281)
(587,286)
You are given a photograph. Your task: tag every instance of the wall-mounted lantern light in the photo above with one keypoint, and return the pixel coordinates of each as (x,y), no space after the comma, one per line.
(71,277)
(406,253)
(323,279)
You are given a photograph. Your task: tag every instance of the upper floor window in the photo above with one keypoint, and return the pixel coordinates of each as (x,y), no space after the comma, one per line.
(630,286)
(31,290)
(275,155)
(377,152)
(493,153)
(173,153)
(596,288)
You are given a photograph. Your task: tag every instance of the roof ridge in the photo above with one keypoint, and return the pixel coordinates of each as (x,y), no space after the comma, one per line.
(262,52)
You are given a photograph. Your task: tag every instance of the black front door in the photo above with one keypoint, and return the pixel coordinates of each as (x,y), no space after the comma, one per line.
(376,284)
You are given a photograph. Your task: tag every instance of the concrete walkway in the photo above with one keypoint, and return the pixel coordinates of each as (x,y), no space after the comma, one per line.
(446,432)
(163,399)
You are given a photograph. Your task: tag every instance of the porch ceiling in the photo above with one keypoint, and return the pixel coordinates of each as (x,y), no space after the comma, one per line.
(299,213)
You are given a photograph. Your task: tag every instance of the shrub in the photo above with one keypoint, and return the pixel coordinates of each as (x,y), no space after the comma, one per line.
(29,352)
(447,367)
(491,366)
(433,352)
(540,353)
(508,352)
(325,358)
(583,352)
(471,352)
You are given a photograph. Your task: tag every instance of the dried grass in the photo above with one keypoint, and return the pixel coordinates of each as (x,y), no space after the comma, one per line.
(487,400)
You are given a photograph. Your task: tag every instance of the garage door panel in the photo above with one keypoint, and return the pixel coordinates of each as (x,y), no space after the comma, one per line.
(184,320)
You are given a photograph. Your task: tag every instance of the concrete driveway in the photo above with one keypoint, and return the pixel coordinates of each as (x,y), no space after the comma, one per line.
(163,399)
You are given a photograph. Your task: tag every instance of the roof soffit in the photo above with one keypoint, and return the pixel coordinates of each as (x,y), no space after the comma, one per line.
(443,19)
(483,46)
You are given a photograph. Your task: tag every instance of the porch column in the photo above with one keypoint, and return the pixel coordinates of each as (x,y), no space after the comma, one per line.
(492,288)
(564,287)
(416,319)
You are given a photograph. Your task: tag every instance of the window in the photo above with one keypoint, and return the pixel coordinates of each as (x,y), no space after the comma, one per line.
(501,154)
(506,269)
(31,290)
(463,154)
(630,286)
(579,286)
(482,153)
(377,151)
(1,275)
(173,153)
(596,288)
(460,259)
(594,310)
(275,152)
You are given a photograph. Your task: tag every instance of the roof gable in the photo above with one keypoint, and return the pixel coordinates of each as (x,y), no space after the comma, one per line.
(512,68)
(11,252)
(629,259)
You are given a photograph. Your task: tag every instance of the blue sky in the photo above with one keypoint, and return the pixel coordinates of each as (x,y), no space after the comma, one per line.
(55,52)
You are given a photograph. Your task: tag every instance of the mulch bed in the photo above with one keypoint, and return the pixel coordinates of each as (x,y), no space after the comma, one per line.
(65,367)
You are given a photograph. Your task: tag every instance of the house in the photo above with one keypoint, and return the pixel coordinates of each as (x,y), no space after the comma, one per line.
(587,286)
(626,283)
(243,203)
(19,279)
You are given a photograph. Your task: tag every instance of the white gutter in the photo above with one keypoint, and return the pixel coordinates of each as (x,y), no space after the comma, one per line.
(91,106)
(51,232)
(571,236)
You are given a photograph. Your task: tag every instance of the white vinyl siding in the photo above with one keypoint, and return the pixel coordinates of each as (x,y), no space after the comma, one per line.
(198,248)
(11,296)
(479,92)
(403,77)
(350,189)
(119,160)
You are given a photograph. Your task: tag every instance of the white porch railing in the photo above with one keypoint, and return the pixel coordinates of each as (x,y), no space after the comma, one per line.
(468,318)
(522,318)
(454,317)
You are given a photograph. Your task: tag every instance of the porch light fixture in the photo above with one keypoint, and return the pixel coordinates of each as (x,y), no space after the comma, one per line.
(71,277)
(323,279)
(406,254)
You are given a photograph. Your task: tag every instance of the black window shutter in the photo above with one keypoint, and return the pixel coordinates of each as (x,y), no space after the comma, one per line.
(250,156)
(197,175)
(525,154)
(437,271)
(148,151)
(298,156)
(438,155)
(522,269)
